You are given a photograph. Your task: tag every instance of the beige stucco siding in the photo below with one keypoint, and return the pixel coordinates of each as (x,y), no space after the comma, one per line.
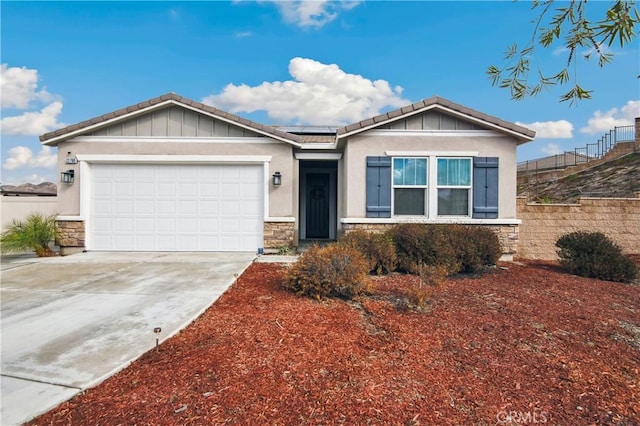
(281,203)
(361,146)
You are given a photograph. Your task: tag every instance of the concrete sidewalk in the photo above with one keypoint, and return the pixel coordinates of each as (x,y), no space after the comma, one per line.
(70,322)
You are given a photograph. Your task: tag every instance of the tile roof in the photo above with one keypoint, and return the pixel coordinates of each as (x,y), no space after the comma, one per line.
(287,133)
(434,101)
(260,128)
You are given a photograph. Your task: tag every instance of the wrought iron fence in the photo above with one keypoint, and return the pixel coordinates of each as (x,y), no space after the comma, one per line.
(590,152)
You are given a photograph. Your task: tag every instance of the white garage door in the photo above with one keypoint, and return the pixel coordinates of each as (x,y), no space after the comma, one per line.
(176,207)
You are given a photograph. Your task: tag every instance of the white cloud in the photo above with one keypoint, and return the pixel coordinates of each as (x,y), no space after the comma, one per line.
(242,34)
(312,13)
(559,51)
(33,123)
(318,94)
(605,121)
(551,149)
(19,87)
(561,129)
(22,156)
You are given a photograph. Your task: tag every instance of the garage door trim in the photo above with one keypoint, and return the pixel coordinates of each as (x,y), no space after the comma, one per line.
(86,162)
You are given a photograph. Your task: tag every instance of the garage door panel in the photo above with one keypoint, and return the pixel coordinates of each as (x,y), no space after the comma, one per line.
(144,242)
(123,207)
(145,206)
(124,224)
(187,224)
(166,242)
(166,190)
(166,224)
(103,224)
(146,189)
(144,224)
(209,207)
(123,240)
(208,189)
(164,207)
(209,225)
(124,189)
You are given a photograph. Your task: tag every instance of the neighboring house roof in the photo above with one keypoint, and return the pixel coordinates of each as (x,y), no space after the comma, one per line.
(52,138)
(45,189)
(522,133)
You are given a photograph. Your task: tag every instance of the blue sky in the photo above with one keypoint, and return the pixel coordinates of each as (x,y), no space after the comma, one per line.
(284,63)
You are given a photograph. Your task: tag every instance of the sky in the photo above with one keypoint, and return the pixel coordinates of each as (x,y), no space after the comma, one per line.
(287,62)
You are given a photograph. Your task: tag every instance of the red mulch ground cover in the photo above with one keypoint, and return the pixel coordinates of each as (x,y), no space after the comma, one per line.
(520,345)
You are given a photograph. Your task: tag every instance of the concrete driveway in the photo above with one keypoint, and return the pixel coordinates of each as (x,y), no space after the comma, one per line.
(70,322)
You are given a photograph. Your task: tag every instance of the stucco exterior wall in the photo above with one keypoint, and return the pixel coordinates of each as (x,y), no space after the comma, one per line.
(20,207)
(492,145)
(543,224)
(281,202)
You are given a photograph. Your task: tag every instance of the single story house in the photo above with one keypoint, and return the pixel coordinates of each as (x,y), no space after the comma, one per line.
(172,174)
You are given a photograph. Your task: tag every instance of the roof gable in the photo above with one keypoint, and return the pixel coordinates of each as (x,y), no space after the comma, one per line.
(437,112)
(174,120)
(432,119)
(168,115)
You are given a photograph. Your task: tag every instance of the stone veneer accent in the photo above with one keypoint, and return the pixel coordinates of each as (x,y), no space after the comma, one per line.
(278,234)
(543,224)
(508,235)
(71,236)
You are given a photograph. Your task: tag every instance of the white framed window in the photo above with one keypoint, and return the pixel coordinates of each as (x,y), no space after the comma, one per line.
(454,184)
(410,186)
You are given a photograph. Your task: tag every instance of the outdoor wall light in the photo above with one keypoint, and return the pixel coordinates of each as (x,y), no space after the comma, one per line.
(277,179)
(67,177)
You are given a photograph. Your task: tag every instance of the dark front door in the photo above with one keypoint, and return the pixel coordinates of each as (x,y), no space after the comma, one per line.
(317,208)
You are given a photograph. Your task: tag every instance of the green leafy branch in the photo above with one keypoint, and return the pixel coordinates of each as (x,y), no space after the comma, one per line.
(569,25)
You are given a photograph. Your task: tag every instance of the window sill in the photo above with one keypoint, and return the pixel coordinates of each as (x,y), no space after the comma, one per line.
(418,219)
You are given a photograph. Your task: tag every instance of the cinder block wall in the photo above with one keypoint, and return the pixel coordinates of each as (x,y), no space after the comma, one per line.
(543,224)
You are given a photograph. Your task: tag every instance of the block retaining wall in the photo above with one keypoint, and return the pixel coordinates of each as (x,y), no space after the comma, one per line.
(543,224)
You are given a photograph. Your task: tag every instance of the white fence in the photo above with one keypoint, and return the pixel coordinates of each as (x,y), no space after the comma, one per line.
(20,207)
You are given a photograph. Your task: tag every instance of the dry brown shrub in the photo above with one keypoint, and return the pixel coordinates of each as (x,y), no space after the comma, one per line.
(331,271)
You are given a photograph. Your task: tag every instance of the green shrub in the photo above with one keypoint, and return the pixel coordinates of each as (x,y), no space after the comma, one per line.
(34,233)
(456,247)
(334,270)
(377,249)
(594,255)
(475,247)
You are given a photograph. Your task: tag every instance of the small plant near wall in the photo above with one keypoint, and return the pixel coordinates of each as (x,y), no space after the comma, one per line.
(430,276)
(284,250)
(594,255)
(34,233)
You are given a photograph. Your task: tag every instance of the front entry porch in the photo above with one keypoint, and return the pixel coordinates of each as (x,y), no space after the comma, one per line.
(318,200)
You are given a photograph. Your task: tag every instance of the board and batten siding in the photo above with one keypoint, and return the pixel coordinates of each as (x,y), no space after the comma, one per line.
(174,121)
(432,120)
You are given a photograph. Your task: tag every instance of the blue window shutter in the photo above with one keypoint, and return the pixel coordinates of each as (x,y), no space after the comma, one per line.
(485,187)
(378,187)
